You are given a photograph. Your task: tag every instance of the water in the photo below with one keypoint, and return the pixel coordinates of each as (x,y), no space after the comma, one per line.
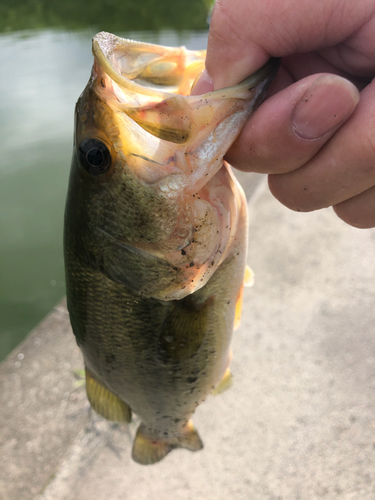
(43,73)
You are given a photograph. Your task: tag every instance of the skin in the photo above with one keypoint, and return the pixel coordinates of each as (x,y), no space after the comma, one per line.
(315,135)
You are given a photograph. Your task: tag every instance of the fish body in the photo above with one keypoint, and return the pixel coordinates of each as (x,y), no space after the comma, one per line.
(155,236)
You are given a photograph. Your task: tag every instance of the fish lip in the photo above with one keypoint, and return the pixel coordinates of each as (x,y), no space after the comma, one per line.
(262,80)
(266,73)
(104,46)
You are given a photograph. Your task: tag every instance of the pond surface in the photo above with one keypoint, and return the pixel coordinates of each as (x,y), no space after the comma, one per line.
(43,73)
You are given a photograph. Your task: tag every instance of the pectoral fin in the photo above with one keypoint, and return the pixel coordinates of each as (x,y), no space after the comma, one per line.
(104,402)
(184,331)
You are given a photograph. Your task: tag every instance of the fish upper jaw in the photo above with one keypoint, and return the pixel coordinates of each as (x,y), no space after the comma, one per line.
(147,69)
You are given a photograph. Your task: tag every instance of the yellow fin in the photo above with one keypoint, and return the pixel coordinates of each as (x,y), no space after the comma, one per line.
(146,450)
(248,282)
(224,384)
(149,450)
(190,439)
(238,311)
(105,403)
(184,331)
(249,277)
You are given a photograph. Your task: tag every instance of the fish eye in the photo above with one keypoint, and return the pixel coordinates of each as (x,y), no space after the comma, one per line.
(94,156)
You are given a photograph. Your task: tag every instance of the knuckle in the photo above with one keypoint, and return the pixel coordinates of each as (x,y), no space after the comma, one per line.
(349,212)
(296,199)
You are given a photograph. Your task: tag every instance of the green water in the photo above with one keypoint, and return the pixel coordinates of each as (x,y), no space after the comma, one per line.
(43,72)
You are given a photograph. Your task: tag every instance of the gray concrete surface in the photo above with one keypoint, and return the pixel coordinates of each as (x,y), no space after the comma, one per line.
(297,424)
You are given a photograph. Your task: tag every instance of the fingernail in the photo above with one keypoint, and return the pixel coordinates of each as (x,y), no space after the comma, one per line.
(202,84)
(328,101)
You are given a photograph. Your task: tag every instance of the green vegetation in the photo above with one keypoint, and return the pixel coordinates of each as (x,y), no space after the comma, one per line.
(107,15)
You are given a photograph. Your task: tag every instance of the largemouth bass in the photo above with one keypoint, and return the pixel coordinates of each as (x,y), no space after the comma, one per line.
(155,236)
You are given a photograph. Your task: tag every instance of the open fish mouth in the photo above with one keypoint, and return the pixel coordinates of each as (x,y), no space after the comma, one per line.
(150,85)
(159,70)
(163,70)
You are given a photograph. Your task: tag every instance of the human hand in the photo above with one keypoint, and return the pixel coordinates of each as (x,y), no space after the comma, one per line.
(315,134)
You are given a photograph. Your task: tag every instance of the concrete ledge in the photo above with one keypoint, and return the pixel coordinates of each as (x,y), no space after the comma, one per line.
(298,423)
(41,408)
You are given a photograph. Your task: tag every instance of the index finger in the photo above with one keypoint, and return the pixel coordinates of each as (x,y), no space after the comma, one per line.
(245,33)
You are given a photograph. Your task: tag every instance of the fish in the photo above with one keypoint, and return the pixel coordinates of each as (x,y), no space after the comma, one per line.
(155,237)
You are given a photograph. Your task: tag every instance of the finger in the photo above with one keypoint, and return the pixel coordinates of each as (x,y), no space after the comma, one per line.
(231,45)
(244,33)
(301,65)
(291,126)
(358,211)
(343,168)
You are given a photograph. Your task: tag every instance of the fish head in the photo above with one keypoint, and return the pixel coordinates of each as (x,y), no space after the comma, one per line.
(147,171)
(126,127)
